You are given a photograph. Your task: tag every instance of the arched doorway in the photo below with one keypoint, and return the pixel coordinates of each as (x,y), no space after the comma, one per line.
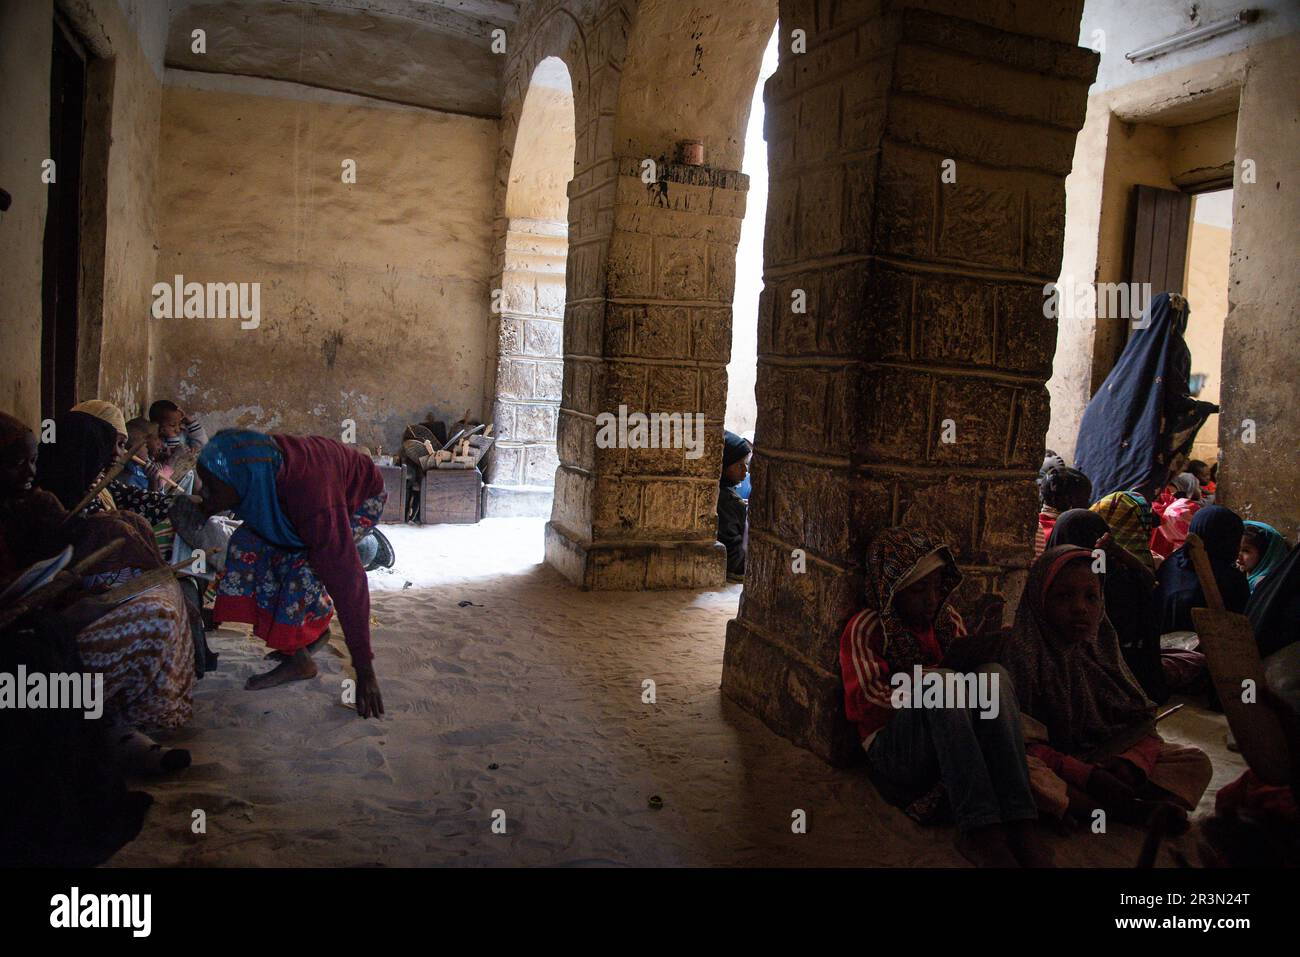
(530,306)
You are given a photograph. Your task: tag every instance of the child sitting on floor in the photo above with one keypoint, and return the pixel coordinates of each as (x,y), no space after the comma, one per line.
(1065,661)
(177,429)
(1262,551)
(134,474)
(1205,478)
(976,753)
(1060,489)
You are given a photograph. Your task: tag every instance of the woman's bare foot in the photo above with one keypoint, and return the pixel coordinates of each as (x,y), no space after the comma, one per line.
(297,667)
(986,847)
(1027,845)
(314,647)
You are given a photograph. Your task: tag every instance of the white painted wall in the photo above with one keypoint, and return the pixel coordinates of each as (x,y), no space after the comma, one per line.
(742,408)
(1126,25)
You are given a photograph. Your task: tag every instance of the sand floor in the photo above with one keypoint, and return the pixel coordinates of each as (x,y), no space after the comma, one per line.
(529,702)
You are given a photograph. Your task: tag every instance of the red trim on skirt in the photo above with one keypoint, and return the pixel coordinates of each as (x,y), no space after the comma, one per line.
(281,637)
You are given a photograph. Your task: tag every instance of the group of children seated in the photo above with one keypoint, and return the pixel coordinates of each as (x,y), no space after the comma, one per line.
(1077,677)
(171,440)
(1067,728)
(111,609)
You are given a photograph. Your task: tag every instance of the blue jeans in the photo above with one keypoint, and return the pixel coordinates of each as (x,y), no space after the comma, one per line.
(981,761)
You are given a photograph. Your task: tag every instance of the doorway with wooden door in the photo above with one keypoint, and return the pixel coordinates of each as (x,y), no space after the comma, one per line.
(61,281)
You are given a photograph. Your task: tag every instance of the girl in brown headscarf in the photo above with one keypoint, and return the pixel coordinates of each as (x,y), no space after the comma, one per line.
(1065,662)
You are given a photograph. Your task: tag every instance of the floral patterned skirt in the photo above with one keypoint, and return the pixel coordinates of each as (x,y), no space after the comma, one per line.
(276,591)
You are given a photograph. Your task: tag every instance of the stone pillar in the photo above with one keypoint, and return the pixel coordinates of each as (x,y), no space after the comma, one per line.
(657,340)
(1261,392)
(530,367)
(924,318)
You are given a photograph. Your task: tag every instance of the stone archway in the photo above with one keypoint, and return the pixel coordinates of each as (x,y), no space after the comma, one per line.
(588,38)
(530,357)
(658,338)
(922,304)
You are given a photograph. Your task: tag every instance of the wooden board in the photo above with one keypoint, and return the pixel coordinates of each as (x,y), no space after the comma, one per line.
(395,485)
(451,496)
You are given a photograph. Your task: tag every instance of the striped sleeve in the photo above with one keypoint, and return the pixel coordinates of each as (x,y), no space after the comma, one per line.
(865,673)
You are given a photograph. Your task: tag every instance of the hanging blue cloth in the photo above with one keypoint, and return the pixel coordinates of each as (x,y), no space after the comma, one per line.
(1143,414)
(248,462)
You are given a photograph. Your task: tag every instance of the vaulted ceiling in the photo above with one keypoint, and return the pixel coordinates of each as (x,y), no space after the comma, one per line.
(434,53)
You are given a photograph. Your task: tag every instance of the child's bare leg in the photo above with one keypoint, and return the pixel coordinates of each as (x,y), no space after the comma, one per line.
(296,667)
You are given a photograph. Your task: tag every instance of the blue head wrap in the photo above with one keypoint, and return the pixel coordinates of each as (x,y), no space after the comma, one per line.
(247,461)
(1271,556)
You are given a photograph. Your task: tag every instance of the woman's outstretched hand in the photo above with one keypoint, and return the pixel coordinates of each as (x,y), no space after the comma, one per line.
(369,701)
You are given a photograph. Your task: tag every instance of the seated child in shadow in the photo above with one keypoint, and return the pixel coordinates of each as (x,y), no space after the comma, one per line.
(1059,489)
(975,750)
(1064,658)
(135,475)
(182,434)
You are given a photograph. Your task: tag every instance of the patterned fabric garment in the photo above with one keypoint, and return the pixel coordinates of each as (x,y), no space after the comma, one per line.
(145,652)
(1131,523)
(151,505)
(875,643)
(276,591)
(892,555)
(1047,517)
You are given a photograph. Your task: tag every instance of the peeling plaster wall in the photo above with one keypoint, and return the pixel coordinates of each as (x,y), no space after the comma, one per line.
(131,234)
(118,253)
(371,293)
(1260,337)
(1208,255)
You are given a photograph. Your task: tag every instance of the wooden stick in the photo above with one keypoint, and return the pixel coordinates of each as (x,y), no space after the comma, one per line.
(112,473)
(144,581)
(98,555)
(1204,572)
(1164,714)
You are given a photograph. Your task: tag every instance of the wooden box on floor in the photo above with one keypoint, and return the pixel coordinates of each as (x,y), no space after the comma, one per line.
(451,496)
(395,485)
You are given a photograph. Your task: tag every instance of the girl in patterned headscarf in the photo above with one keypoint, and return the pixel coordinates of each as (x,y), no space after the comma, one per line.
(1131,523)
(978,756)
